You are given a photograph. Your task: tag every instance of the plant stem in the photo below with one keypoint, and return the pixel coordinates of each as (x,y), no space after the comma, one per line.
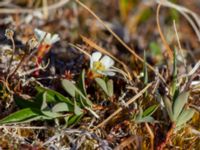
(13,51)
(18,66)
(163,143)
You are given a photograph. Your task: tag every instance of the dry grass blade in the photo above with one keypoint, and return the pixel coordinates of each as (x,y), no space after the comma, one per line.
(192,71)
(169,51)
(151,135)
(45,8)
(12,57)
(125,143)
(179,43)
(184,11)
(120,40)
(127,104)
(102,50)
(80,49)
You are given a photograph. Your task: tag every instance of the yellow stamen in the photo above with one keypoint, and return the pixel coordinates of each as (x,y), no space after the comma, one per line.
(97,65)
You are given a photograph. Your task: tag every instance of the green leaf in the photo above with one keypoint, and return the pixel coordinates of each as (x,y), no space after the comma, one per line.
(36,118)
(145,15)
(82,83)
(149,111)
(87,108)
(125,6)
(64,99)
(51,114)
(53,96)
(145,69)
(39,97)
(44,101)
(102,84)
(155,49)
(168,106)
(145,119)
(87,101)
(75,91)
(80,97)
(77,110)
(110,88)
(176,94)
(106,87)
(22,103)
(179,103)
(174,80)
(72,119)
(20,115)
(139,115)
(69,87)
(61,107)
(185,116)
(174,14)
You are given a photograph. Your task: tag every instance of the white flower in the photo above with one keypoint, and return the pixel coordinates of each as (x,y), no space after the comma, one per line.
(101,65)
(47,38)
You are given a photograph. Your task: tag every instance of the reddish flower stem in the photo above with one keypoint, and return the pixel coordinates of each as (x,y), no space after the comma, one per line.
(42,50)
(163,143)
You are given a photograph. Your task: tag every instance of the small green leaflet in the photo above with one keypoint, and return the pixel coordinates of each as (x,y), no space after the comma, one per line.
(20,115)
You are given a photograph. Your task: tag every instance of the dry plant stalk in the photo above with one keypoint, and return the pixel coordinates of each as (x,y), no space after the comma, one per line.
(80,49)
(151,135)
(169,50)
(45,9)
(179,43)
(191,17)
(13,52)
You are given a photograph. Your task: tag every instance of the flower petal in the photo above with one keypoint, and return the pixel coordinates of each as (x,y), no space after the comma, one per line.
(39,34)
(107,61)
(55,38)
(109,73)
(95,57)
(47,39)
(195,82)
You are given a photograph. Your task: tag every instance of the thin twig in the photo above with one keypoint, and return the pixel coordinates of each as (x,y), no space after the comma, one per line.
(18,66)
(179,43)
(45,8)
(13,52)
(80,49)
(192,71)
(169,51)
(151,135)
